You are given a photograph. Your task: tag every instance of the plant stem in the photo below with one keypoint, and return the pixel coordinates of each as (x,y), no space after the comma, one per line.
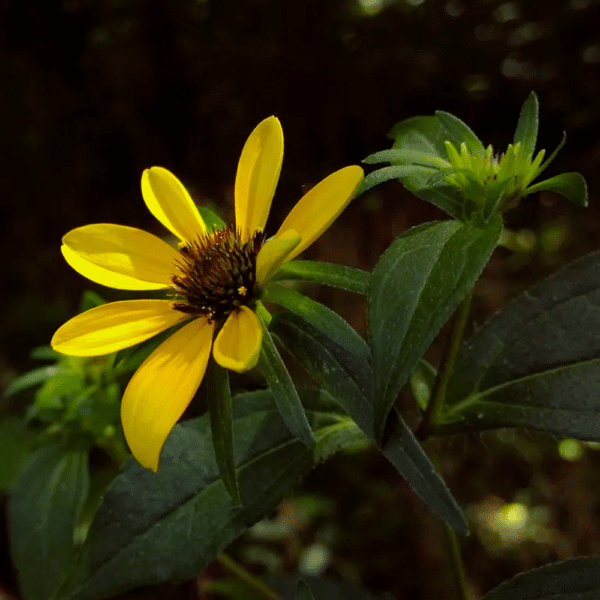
(438,391)
(256,584)
(458,569)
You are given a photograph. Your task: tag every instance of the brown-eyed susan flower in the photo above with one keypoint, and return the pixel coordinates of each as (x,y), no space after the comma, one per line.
(214,276)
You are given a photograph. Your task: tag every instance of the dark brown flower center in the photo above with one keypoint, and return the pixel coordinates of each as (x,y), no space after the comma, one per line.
(217,273)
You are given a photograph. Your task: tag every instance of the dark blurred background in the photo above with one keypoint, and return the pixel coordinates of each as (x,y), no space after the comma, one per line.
(94,91)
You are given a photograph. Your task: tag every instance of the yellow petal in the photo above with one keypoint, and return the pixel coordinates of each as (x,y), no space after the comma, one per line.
(114,326)
(121,257)
(237,345)
(274,253)
(317,210)
(170,203)
(257,176)
(161,389)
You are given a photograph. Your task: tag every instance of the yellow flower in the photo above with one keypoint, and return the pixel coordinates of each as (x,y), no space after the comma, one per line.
(214,276)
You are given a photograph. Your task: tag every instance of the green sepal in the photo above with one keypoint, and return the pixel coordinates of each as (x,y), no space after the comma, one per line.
(340,276)
(218,398)
(527,126)
(283,389)
(570,185)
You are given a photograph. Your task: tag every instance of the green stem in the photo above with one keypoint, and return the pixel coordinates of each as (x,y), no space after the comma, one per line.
(438,391)
(256,584)
(458,569)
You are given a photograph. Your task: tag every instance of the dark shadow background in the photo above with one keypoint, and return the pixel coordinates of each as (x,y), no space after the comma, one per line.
(94,91)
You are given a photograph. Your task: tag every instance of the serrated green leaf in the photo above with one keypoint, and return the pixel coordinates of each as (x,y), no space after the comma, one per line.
(570,185)
(348,378)
(218,399)
(576,579)
(284,391)
(42,513)
(459,132)
(527,126)
(340,276)
(537,363)
(168,526)
(415,287)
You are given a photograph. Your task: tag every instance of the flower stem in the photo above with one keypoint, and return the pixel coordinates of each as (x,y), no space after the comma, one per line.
(256,584)
(438,391)
(458,569)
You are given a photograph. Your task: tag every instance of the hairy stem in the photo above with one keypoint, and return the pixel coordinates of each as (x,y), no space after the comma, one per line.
(438,391)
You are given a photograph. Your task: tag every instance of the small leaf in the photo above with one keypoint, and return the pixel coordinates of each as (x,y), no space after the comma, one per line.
(399,156)
(340,276)
(527,127)
(169,525)
(90,299)
(283,390)
(458,132)
(388,173)
(420,134)
(218,399)
(43,509)
(421,383)
(537,363)
(570,185)
(576,579)
(30,379)
(303,591)
(415,287)
(211,218)
(45,353)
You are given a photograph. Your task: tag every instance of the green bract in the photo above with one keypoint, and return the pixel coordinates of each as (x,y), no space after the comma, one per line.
(442,161)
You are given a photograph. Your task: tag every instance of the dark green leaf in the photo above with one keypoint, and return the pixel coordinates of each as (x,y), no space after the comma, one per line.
(347,278)
(218,399)
(90,299)
(30,379)
(17,442)
(42,513)
(348,378)
(284,391)
(45,353)
(570,185)
(458,132)
(303,591)
(527,127)
(323,318)
(388,173)
(415,287)
(577,579)
(537,363)
(168,526)
(420,134)
(426,134)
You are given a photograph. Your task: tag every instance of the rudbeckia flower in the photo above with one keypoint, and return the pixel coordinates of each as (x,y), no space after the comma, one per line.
(215,278)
